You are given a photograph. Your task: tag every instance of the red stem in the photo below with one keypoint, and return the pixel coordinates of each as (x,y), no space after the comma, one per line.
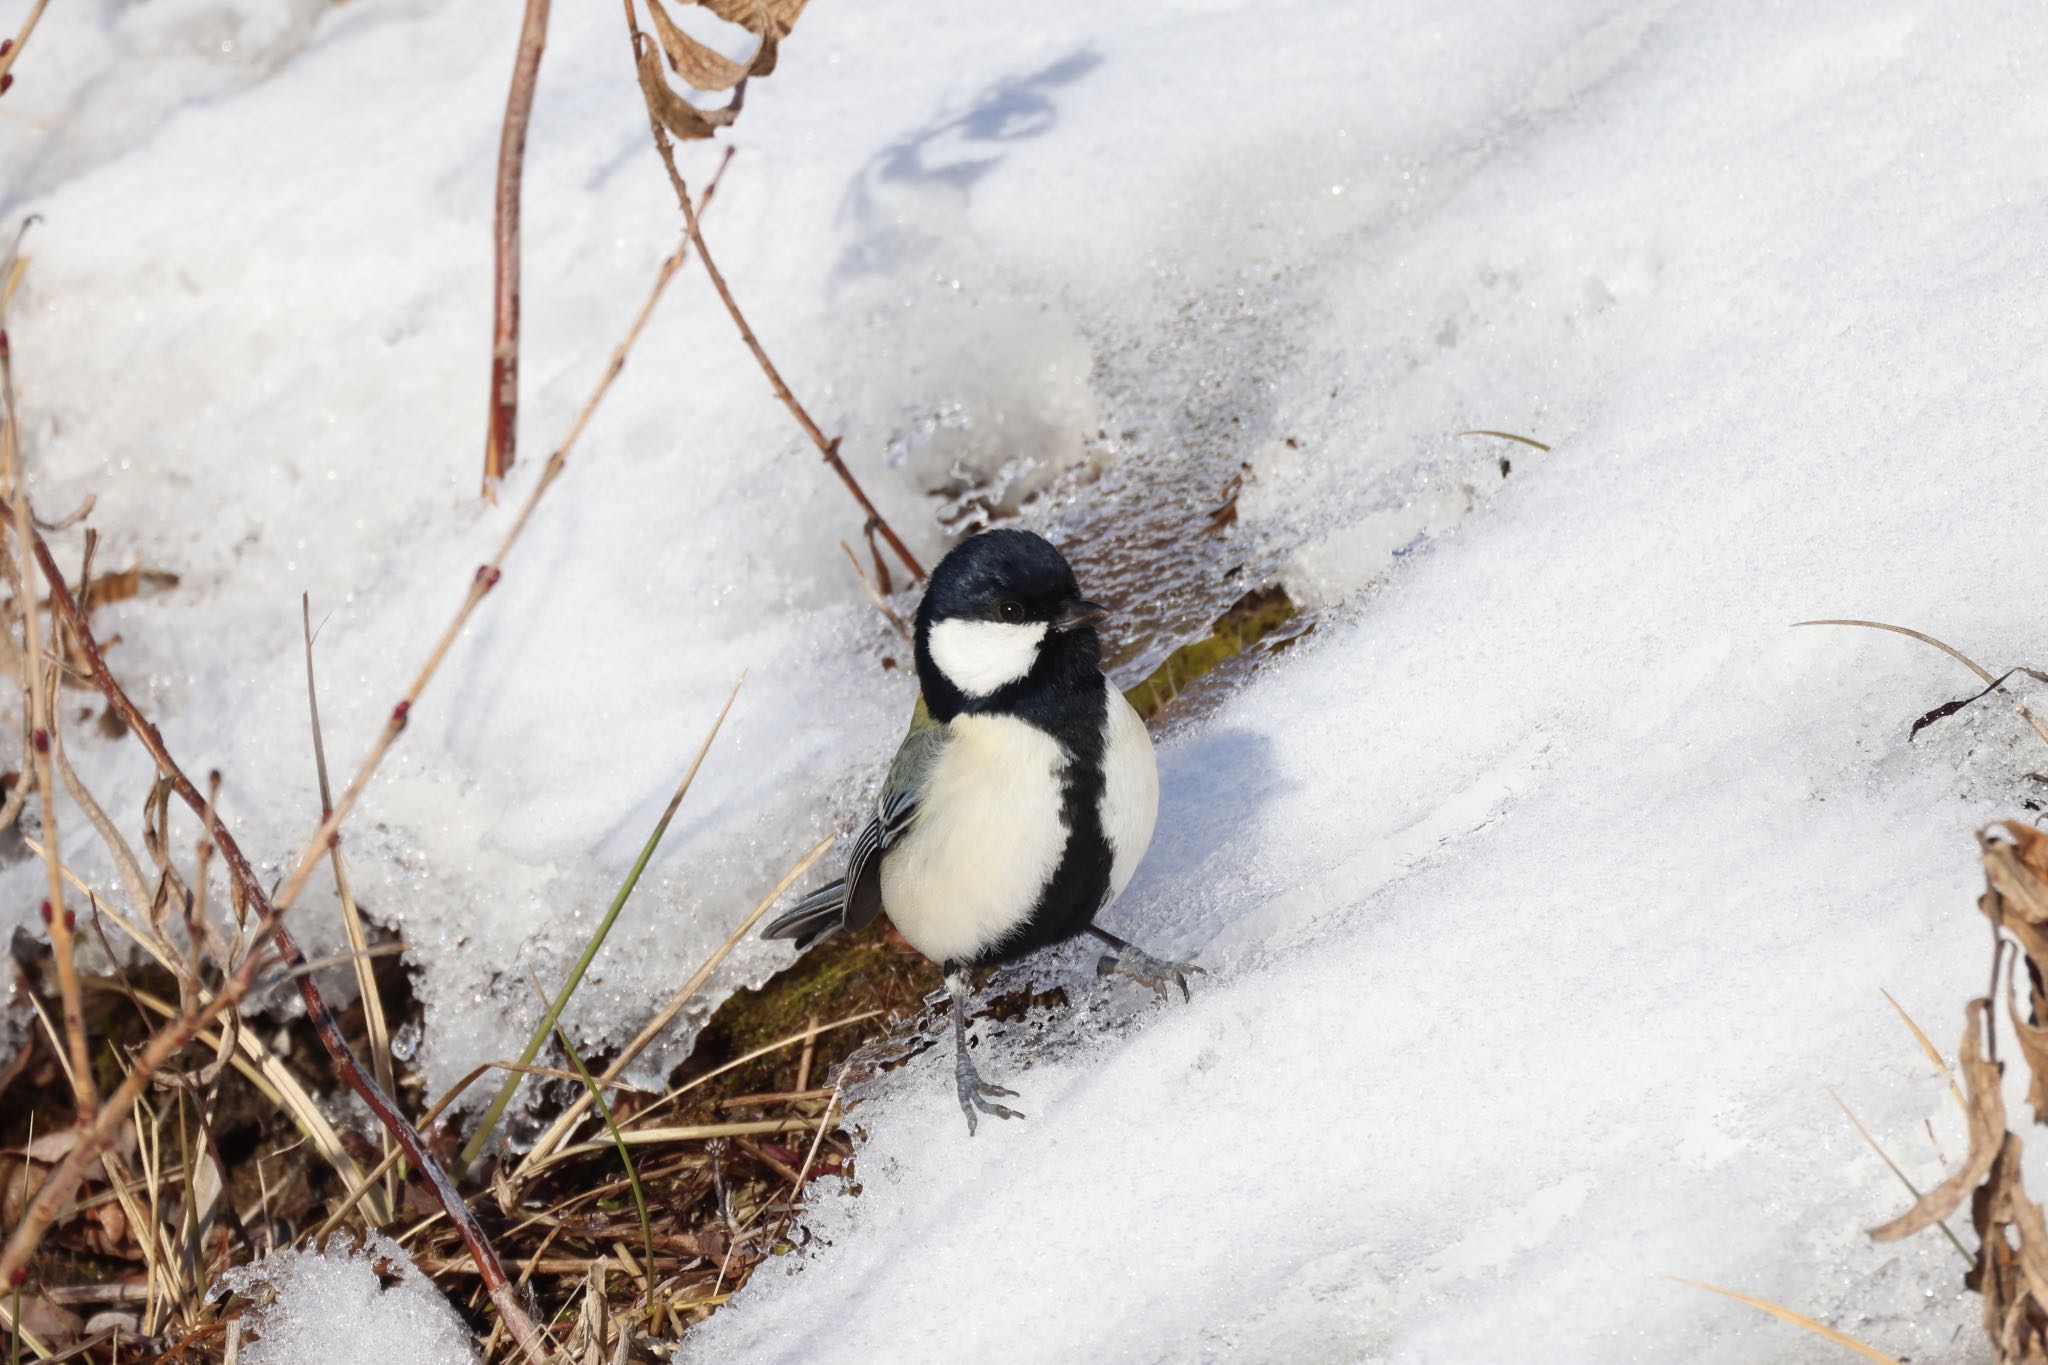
(501,445)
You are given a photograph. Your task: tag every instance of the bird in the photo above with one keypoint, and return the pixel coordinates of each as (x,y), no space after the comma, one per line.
(1022,799)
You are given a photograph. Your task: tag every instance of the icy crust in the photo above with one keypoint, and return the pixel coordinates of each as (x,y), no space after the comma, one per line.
(365,1303)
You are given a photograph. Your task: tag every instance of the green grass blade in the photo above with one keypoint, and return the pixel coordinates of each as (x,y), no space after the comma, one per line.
(482,1136)
(604,1111)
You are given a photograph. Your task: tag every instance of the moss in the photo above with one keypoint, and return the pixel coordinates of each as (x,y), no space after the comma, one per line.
(1254,617)
(842,976)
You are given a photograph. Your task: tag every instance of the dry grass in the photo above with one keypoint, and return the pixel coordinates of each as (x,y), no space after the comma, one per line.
(152,1136)
(2008,1266)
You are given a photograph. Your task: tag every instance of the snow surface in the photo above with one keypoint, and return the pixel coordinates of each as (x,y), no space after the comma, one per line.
(367,1304)
(1545,888)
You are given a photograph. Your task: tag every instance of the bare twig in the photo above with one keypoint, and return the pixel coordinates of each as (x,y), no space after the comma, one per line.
(828,447)
(874,594)
(10,51)
(500,445)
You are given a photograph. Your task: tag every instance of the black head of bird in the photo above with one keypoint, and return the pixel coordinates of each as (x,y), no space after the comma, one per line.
(1002,617)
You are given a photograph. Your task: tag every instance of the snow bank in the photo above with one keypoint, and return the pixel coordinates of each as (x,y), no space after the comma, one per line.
(367,1303)
(1545,888)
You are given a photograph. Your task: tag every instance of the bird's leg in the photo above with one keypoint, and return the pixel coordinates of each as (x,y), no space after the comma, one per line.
(1140,966)
(973,1089)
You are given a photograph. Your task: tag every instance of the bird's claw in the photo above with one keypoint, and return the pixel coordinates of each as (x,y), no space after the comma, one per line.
(1147,970)
(975,1093)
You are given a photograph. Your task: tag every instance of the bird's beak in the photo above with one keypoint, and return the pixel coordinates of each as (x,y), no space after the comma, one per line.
(1075,613)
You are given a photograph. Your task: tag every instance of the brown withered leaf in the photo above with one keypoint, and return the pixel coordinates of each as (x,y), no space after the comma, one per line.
(2034,1049)
(701,67)
(1987,1135)
(56,1325)
(684,121)
(130,582)
(769,18)
(2015,900)
(2033,847)
(2013,1282)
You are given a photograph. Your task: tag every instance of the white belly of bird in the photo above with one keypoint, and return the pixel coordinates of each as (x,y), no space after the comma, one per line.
(987,838)
(1130,791)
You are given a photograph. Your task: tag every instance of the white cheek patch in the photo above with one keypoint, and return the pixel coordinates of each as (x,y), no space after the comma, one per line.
(978,657)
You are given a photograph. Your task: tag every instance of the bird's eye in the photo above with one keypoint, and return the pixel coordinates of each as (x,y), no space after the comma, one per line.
(1011,611)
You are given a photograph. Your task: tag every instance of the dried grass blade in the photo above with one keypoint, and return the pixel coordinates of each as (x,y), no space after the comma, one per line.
(270,1075)
(692,1132)
(1933,1052)
(1893,1166)
(1506,436)
(1784,1314)
(1987,1130)
(374,1023)
(1983,673)
(790,1041)
(10,1318)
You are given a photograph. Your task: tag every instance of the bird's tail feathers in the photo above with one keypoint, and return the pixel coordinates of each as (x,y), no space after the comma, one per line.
(817,916)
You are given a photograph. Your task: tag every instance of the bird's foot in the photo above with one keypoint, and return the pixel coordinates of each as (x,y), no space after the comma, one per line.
(1147,970)
(976,1093)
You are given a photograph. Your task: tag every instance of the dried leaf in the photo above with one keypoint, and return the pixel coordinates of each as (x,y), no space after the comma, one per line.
(697,64)
(684,121)
(2033,847)
(1947,709)
(769,18)
(2034,1049)
(2011,1271)
(51,1148)
(56,1325)
(1987,1136)
(130,582)
(110,1229)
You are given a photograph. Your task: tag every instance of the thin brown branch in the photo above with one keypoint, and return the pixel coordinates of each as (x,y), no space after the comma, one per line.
(874,595)
(828,447)
(500,445)
(10,51)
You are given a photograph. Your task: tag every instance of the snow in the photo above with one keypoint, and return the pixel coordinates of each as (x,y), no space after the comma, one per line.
(1545,889)
(337,1306)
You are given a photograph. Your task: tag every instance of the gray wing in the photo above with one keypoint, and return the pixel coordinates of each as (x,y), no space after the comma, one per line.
(854,900)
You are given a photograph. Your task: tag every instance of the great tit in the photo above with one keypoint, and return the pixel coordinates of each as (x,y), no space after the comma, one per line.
(1022,799)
